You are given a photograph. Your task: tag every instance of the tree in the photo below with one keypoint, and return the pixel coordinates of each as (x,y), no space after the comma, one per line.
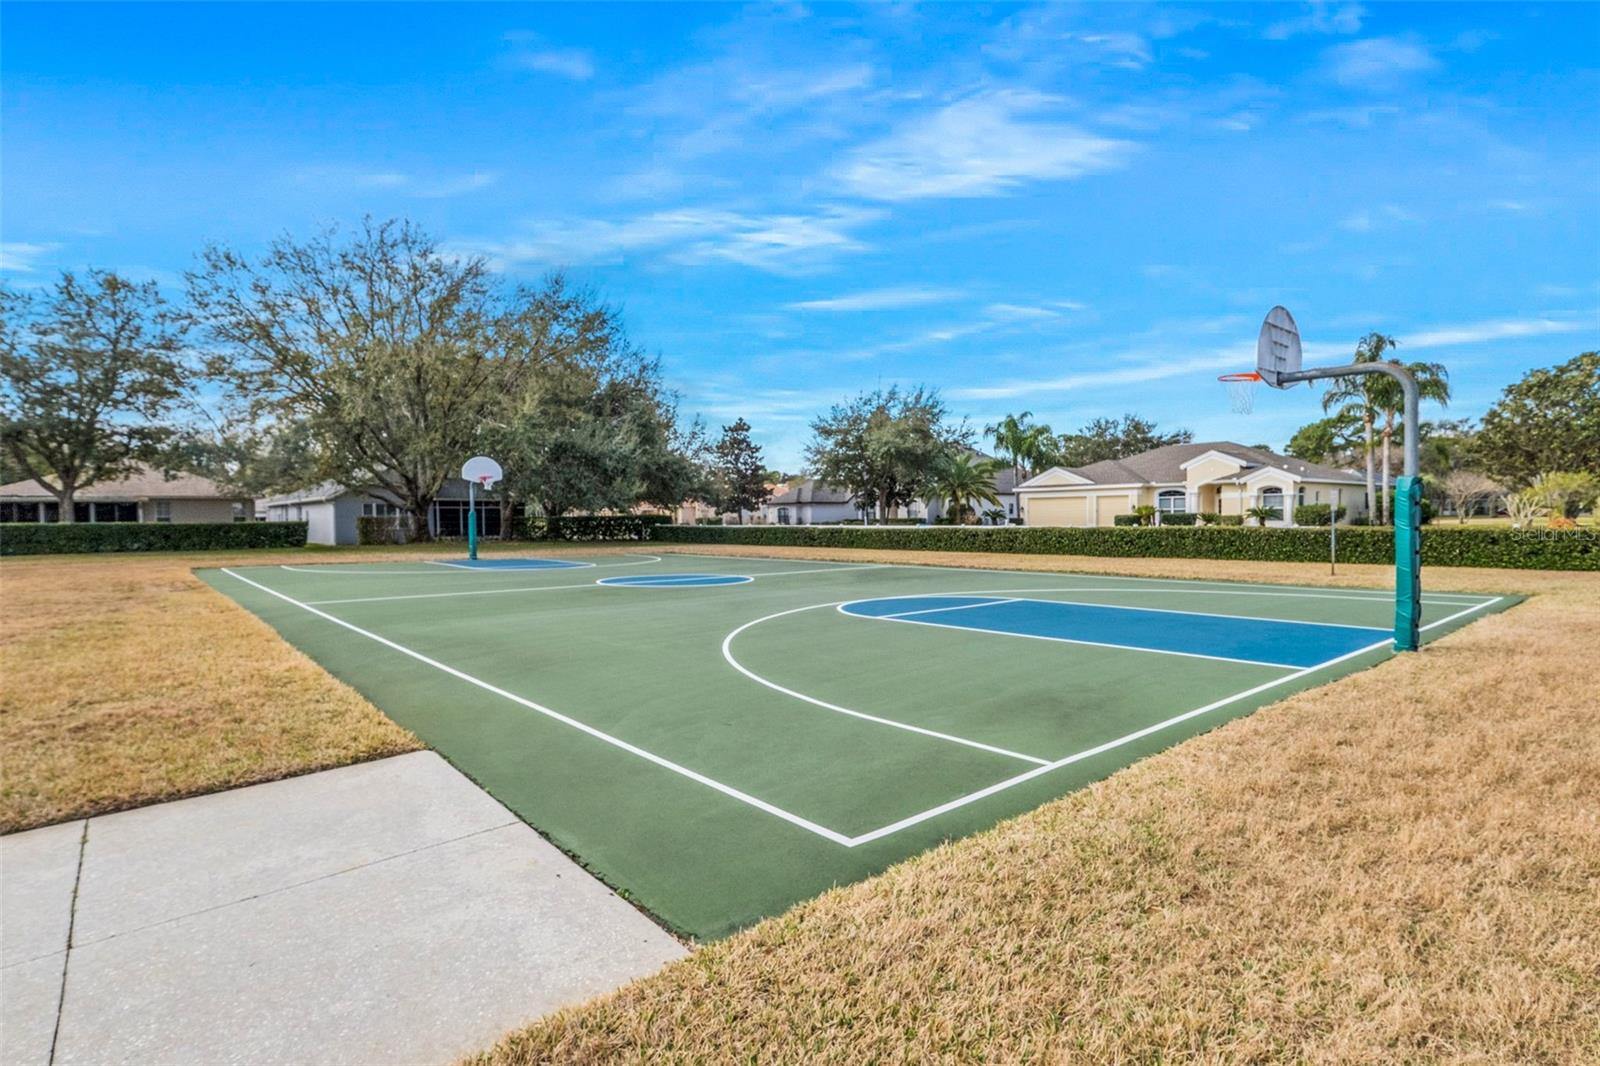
(1550,420)
(90,375)
(1433,383)
(1108,438)
(1327,440)
(393,353)
(1566,493)
(1358,399)
(1028,445)
(1463,488)
(255,460)
(1262,515)
(963,479)
(741,479)
(884,446)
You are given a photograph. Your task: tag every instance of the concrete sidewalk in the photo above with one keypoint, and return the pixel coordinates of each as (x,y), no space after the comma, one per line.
(391,912)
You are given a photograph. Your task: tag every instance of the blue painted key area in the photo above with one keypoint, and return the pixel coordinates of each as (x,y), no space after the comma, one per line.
(1269,642)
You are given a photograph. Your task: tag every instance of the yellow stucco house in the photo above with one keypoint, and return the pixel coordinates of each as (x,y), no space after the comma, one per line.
(1216,476)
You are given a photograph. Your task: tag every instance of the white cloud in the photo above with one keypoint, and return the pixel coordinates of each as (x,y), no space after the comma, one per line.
(1364,221)
(1377,63)
(879,300)
(1233,358)
(21,257)
(1321,18)
(779,243)
(528,53)
(341,178)
(984,145)
(1480,332)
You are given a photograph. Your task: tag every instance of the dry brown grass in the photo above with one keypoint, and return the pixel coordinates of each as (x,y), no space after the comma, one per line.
(1403,866)
(127,681)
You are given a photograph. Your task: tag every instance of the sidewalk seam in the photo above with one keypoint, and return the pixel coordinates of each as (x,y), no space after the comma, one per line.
(308,881)
(66,955)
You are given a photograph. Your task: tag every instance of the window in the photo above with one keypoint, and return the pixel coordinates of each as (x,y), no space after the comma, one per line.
(783,516)
(1273,497)
(114,512)
(380,510)
(1172,501)
(163,510)
(239,512)
(19,512)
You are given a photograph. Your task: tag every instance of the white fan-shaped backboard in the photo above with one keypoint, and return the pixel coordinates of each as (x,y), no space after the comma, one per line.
(482,470)
(1278,347)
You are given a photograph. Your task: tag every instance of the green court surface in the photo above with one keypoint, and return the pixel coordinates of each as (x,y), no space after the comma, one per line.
(721,737)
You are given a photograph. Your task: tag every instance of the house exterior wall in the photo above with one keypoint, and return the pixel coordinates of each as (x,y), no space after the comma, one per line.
(1209,470)
(192,510)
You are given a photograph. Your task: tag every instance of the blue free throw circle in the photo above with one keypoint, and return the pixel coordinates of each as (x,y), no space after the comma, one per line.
(674,581)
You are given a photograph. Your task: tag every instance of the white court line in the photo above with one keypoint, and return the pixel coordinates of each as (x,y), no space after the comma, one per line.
(727,654)
(551,588)
(555,564)
(935,610)
(617,742)
(1318,591)
(1108,606)
(1088,753)
(329,568)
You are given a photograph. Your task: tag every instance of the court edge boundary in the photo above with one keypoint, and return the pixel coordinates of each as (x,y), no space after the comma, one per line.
(789,816)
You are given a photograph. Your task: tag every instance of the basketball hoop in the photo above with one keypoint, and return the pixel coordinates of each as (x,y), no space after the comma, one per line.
(1241,390)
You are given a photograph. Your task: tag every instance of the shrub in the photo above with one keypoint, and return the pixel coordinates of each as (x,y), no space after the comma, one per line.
(1179,519)
(1145,513)
(372,529)
(1230,519)
(1441,546)
(597,527)
(1315,514)
(716,521)
(1210,518)
(55,538)
(1125,520)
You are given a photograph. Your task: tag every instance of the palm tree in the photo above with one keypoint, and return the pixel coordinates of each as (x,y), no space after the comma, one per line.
(1026,444)
(1262,515)
(1433,383)
(1359,397)
(963,479)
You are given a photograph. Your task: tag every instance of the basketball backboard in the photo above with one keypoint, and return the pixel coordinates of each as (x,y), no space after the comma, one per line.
(1278,347)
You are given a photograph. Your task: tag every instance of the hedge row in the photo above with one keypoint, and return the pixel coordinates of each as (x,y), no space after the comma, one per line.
(56,538)
(598,527)
(1441,545)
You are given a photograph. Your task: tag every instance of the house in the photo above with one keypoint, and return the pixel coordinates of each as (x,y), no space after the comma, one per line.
(810,502)
(330,511)
(147,495)
(813,503)
(1218,476)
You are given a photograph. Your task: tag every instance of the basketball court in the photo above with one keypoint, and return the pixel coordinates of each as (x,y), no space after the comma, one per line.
(721,737)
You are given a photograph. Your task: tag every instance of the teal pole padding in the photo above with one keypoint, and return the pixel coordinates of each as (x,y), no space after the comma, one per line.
(472,524)
(1407,563)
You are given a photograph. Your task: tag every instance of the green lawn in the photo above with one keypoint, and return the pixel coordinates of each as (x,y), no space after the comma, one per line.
(718,753)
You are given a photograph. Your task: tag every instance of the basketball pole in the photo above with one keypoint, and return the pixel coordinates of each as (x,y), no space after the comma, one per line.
(472,524)
(1407,498)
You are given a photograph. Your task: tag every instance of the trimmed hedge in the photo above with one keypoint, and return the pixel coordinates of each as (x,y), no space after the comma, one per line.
(601,527)
(1441,545)
(56,538)
(1314,514)
(383,529)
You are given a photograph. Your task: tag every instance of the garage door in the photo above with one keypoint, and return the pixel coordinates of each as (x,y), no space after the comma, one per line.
(1067,511)
(1106,507)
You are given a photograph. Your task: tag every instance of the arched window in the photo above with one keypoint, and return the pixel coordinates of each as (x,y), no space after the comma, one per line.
(1272,496)
(1172,501)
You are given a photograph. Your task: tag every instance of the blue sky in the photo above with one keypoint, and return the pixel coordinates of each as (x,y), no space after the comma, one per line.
(1078,210)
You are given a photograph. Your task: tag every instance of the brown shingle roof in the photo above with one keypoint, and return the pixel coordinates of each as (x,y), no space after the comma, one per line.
(1164,465)
(146,484)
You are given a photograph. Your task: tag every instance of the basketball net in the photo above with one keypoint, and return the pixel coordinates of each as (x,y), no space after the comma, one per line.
(1241,391)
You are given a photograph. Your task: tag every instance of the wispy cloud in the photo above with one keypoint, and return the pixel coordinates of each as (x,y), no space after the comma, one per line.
(434,187)
(984,145)
(1368,219)
(1321,18)
(1481,332)
(21,257)
(1377,63)
(574,63)
(879,299)
(778,243)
